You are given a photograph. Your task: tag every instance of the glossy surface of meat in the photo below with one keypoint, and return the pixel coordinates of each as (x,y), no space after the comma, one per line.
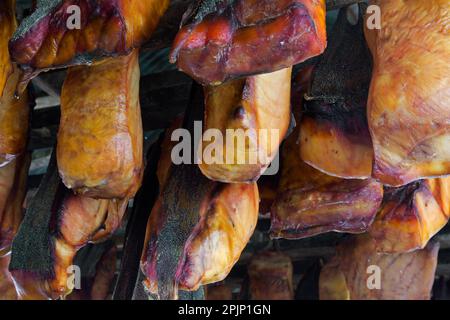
(406,276)
(13,180)
(334,134)
(80,221)
(14,112)
(408,110)
(310,202)
(8,25)
(256,111)
(196,231)
(411,215)
(271,276)
(222,39)
(100,138)
(50,39)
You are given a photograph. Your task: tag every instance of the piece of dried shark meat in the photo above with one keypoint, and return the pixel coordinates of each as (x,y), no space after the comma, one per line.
(100,136)
(224,39)
(334,134)
(256,111)
(403,276)
(14,110)
(8,25)
(310,202)
(197,228)
(411,215)
(51,37)
(408,111)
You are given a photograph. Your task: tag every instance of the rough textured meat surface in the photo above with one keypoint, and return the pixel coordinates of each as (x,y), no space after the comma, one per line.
(411,215)
(217,222)
(271,276)
(14,112)
(405,276)
(310,202)
(256,111)
(334,134)
(46,39)
(7,26)
(408,112)
(218,39)
(100,137)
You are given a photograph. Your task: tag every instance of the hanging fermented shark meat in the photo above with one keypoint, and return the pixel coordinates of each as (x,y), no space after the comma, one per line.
(310,202)
(250,118)
(408,110)
(52,37)
(57,224)
(13,179)
(14,112)
(267,186)
(100,262)
(197,229)
(79,221)
(8,24)
(334,135)
(100,135)
(270,276)
(221,40)
(411,215)
(358,272)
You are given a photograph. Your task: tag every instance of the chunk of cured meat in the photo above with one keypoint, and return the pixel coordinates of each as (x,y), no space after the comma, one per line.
(408,112)
(334,134)
(271,276)
(100,137)
(13,178)
(310,202)
(8,25)
(196,231)
(13,187)
(78,221)
(222,39)
(51,37)
(411,215)
(14,111)
(403,276)
(245,122)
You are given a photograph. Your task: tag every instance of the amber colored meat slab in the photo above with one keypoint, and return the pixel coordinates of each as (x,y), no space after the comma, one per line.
(8,25)
(404,276)
(46,39)
(222,40)
(310,202)
(408,112)
(224,215)
(251,117)
(411,215)
(100,137)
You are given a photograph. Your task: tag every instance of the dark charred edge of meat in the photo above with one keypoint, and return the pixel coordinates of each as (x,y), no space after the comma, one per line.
(135,233)
(182,196)
(341,80)
(308,286)
(32,248)
(402,195)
